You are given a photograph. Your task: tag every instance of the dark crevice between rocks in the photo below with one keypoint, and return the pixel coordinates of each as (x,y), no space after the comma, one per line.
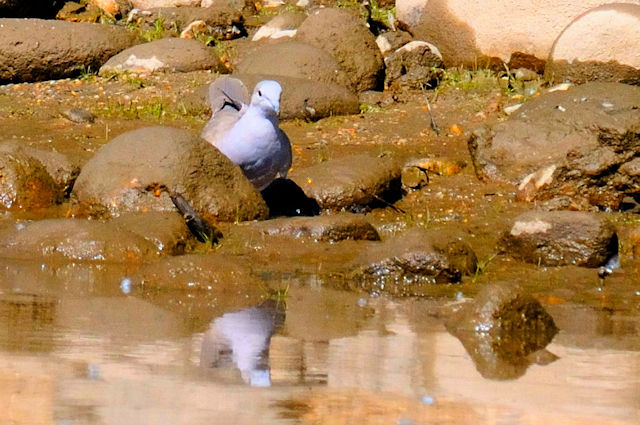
(285,198)
(392,194)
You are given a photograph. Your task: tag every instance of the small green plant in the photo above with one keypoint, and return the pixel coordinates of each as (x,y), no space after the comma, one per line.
(366,108)
(155,33)
(86,74)
(481,267)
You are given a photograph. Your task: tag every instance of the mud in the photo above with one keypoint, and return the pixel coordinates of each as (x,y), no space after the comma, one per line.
(76,336)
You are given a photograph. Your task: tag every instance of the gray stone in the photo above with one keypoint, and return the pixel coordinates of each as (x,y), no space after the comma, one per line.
(135,171)
(544,130)
(409,263)
(165,55)
(127,239)
(291,59)
(351,182)
(350,42)
(390,41)
(35,50)
(559,238)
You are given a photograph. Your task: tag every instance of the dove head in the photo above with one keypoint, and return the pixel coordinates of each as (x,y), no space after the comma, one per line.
(266,96)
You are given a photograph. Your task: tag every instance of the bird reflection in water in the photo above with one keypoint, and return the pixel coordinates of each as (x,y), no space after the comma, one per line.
(241,340)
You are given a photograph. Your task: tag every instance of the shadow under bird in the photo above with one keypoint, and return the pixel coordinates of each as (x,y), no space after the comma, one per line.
(247,131)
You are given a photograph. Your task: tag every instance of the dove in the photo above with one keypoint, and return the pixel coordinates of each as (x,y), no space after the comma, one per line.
(247,132)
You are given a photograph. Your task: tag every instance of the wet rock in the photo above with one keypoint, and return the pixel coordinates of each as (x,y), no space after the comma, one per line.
(127,239)
(29,9)
(327,228)
(413,177)
(351,182)
(148,4)
(409,263)
(35,50)
(31,178)
(559,238)
(79,115)
(416,65)
(503,329)
(291,59)
(544,130)
(590,48)
(222,22)
(168,55)
(285,198)
(281,26)
(135,170)
(349,41)
(391,41)
(78,12)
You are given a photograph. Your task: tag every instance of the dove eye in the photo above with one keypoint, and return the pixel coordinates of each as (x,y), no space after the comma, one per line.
(259,92)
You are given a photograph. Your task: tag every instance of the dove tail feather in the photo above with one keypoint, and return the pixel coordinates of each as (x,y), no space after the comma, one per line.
(227,92)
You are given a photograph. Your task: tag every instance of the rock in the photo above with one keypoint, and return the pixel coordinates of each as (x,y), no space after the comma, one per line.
(33,179)
(148,4)
(409,263)
(29,9)
(167,55)
(79,115)
(391,41)
(127,239)
(327,228)
(115,8)
(131,172)
(351,181)
(301,98)
(78,12)
(35,50)
(308,100)
(353,46)
(501,329)
(559,238)
(222,22)
(590,47)
(416,65)
(467,34)
(281,26)
(544,130)
(291,59)
(605,176)
(413,177)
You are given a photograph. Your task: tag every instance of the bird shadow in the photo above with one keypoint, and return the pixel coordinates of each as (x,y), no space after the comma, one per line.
(285,198)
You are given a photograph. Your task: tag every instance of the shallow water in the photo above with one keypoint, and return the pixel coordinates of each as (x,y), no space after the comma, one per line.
(92,354)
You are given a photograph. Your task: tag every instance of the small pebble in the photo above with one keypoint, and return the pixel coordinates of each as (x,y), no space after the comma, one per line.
(428,400)
(79,115)
(125,285)
(362,302)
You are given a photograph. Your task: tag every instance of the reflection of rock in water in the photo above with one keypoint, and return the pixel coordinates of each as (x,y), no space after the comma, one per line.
(23,318)
(241,340)
(503,330)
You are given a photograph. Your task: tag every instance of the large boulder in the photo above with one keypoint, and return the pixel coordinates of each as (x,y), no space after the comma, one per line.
(353,46)
(409,263)
(590,48)
(34,49)
(167,54)
(351,182)
(558,238)
(465,32)
(291,59)
(544,130)
(138,170)
(130,238)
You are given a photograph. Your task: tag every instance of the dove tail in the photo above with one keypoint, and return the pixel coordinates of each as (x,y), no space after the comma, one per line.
(227,92)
